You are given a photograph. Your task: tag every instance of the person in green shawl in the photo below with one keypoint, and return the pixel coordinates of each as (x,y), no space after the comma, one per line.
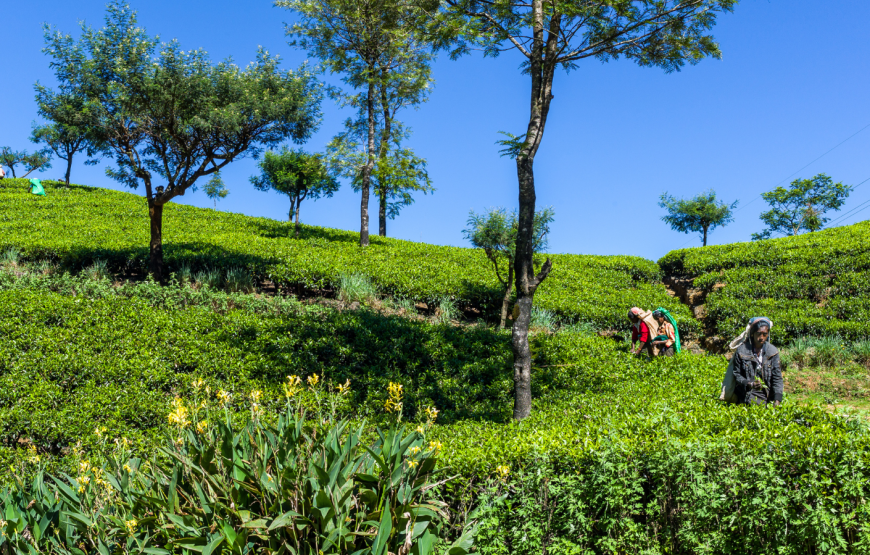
(668,338)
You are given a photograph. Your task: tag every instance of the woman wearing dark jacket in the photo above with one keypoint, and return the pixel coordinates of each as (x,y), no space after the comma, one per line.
(756,367)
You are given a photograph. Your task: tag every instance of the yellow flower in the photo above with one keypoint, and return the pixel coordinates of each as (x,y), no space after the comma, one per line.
(292,386)
(414,450)
(434,445)
(84,466)
(394,401)
(201,426)
(313,380)
(179,442)
(131,525)
(421,430)
(411,464)
(33,457)
(197,384)
(256,395)
(503,471)
(432,413)
(224,396)
(342,389)
(128,469)
(179,416)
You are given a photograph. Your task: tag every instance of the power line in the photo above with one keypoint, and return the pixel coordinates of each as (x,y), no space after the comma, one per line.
(808,165)
(865,208)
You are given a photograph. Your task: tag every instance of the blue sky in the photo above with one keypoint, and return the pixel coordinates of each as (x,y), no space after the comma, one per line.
(791,85)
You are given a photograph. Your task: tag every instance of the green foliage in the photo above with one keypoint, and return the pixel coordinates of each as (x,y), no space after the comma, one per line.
(356,288)
(112,226)
(298,175)
(543,319)
(37,161)
(281,488)
(810,285)
(700,214)
(802,206)
(215,188)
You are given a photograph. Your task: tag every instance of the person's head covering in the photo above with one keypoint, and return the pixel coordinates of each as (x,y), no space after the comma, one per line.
(658,314)
(754,322)
(634,311)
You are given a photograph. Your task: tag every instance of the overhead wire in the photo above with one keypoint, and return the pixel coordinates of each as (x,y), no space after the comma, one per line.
(800,170)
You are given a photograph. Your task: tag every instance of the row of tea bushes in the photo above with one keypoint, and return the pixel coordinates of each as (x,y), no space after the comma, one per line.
(76,226)
(817,284)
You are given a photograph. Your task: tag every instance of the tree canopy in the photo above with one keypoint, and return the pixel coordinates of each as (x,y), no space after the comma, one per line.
(68,134)
(35,161)
(700,214)
(215,188)
(380,52)
(495,232)
(297,174)
(802,206)
(169,116)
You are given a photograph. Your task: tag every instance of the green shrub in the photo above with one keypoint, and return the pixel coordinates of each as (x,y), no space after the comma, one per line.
(447,311)
(861,350)
(239,280)
(287,488)
(213,279)
(828,351)
(356,288)
(816,284)
(98,270)
(543,319)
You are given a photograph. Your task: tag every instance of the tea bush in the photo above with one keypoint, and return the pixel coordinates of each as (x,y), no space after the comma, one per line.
(814,284)
(77,225)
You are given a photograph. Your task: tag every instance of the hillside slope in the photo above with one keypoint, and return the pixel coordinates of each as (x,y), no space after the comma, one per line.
(78,225)
(817,284)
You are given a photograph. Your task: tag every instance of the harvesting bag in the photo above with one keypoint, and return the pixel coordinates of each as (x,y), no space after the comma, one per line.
(36,187)
(673,322)
(728,382)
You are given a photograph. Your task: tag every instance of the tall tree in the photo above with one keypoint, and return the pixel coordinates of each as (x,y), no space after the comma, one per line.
(699,215)
(298,175)
(398,172)
(173,114)
(36,161)
(549,34)
(802,206)
(215,188)
(70,137)
(496,233)
(373,44)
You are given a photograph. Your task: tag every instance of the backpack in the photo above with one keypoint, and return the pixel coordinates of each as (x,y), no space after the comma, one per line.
(36,187)
(729,384)
(673,321)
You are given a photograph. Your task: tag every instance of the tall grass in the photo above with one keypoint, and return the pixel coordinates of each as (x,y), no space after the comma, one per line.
(356,288)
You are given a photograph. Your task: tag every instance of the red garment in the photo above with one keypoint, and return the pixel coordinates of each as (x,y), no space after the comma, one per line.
(641,334)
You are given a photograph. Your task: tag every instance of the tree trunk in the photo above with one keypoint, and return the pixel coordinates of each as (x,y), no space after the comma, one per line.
(541,70)
(298,204)
(506,301)
(367,169)
(155,214)
(382,213)
(12,168)
(705,236)
(68,169)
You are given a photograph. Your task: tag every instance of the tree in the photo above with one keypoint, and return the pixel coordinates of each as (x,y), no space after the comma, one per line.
(174,115)
(496,233)
(298,175)
(379,52)
(215,188)
(397,174)
(37,161)
(700,214)
(559,33)
(802,206)
(64,139)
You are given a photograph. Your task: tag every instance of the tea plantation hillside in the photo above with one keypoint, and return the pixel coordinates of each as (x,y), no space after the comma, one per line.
(78,225)
(817,284)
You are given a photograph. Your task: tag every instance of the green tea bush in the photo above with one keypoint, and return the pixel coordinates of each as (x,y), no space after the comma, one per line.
(75,226)
(817,284)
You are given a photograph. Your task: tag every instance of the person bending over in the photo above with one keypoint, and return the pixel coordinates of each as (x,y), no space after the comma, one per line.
(640,333)
(667,336)
(757,370)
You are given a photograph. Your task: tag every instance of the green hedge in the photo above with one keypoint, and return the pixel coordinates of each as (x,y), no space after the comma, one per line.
(814,284)
(76,225)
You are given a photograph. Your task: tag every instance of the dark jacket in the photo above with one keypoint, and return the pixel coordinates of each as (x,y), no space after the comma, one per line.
(746,369)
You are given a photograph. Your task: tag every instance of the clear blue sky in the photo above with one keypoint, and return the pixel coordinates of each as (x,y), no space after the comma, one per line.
(792,84)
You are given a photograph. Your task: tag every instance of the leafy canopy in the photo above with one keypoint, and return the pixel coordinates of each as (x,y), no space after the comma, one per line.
(700,214)
(802,206)
(36,161)
(495,232)
(215,188)
(295,173)
(160,110)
